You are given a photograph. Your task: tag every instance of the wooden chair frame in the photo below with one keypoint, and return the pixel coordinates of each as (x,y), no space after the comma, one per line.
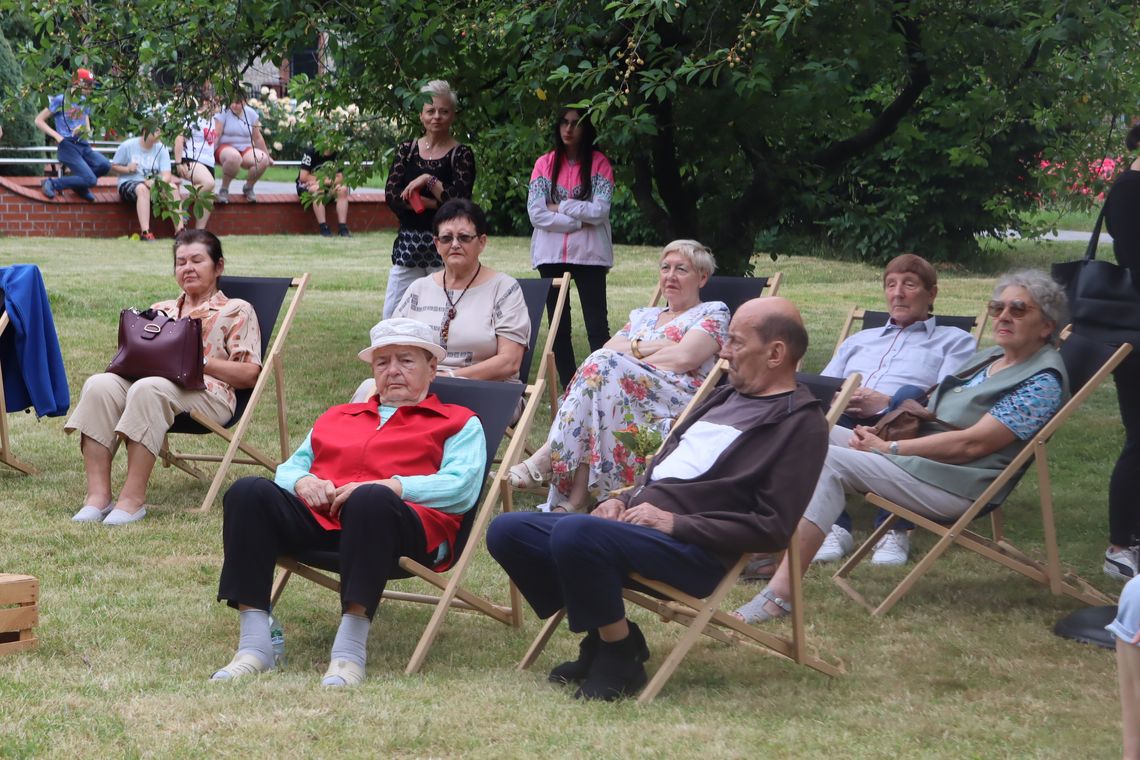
(704,616)
(997,548)
(452,593)
(546,369)
(857,314)
(6,456)
(272,368)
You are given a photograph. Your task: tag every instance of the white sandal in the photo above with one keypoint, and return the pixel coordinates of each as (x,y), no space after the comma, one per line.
(242,665)
(526,475)
(348,673)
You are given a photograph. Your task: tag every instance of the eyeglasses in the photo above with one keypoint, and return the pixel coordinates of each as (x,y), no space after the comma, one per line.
(447,240)
(1017,309)
(571,123)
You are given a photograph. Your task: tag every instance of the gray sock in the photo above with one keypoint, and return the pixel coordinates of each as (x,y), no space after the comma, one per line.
(351,643)
(254,636)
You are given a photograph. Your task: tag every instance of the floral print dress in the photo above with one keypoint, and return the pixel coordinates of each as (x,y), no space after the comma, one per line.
(614,393)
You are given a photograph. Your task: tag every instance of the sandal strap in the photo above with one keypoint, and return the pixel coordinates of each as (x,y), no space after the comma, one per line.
(780,602)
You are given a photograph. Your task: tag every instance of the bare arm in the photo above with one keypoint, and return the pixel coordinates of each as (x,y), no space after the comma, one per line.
(43,125)
(237,374)
(696,348)
(984,437)
(179,148)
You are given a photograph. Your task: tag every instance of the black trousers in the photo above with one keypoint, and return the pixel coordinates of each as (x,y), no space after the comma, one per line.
(1124,488)
(591,284)
(263,521)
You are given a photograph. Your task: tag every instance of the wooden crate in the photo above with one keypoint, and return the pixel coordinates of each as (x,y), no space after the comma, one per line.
(18,612)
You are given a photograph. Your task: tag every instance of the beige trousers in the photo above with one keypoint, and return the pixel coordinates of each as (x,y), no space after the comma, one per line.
(111,408)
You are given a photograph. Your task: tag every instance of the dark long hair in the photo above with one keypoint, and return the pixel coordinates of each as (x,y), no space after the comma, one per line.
(585,154)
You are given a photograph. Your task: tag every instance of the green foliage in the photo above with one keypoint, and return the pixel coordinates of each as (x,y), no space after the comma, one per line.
(874,125)
(18,112)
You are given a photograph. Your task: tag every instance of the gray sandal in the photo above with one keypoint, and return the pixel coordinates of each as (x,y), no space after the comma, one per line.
(753,612)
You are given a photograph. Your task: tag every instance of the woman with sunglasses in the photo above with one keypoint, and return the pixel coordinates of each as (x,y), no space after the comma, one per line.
(998,401)
(477,314)
(568,201)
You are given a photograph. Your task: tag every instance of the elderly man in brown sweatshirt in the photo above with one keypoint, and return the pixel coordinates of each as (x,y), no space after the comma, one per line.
(734,477)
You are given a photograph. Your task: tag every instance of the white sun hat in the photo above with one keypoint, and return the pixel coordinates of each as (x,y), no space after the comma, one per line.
(400,331)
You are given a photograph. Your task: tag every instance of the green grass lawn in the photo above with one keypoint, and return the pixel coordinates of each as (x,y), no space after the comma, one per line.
(966,666)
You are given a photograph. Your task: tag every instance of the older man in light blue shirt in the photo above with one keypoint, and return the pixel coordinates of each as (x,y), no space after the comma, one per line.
(902,359)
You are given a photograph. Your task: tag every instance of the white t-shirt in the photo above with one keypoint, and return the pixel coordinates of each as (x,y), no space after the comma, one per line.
(203,140)
(236,130)
(148,163)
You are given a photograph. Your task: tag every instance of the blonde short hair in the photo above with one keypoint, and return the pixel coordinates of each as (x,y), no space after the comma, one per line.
(697,254)
(439,88)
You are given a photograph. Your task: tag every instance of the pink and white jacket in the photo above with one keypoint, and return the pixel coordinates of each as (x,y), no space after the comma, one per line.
(579,231)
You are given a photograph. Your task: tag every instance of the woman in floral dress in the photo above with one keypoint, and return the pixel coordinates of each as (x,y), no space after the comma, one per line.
(638,382)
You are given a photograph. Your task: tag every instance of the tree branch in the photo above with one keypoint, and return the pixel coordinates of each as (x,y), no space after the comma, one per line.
(918,76)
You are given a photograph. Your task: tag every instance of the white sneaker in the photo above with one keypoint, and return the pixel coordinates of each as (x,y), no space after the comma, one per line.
(837,545)
(892,548)
(1122,563)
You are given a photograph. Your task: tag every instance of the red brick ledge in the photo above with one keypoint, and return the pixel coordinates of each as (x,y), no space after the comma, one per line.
(26,212)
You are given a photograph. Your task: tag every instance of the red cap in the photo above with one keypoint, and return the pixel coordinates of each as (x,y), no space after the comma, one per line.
(84,75)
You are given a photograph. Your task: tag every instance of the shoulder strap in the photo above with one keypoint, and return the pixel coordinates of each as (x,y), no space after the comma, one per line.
(1090,252)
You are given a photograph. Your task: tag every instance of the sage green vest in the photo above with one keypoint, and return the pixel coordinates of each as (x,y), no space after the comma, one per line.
(963,407)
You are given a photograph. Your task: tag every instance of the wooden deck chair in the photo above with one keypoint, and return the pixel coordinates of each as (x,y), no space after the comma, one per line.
(704,616)
(266,295)
(733,291)
(6,455)
(1087,363)
(868,319)
(536,292)
(495,403)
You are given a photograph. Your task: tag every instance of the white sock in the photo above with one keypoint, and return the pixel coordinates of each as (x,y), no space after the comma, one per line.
(254,635)
(351,643)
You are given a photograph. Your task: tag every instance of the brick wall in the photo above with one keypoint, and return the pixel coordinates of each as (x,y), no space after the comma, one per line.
(25,212)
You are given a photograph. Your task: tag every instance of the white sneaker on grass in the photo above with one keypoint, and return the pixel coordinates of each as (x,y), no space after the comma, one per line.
(1122,563)
(837,545)
(892,549)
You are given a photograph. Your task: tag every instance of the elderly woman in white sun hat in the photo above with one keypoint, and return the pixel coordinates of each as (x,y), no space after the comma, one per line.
(389,477)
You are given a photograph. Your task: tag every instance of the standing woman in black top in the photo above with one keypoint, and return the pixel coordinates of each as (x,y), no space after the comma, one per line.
(1122,217)
(425,173)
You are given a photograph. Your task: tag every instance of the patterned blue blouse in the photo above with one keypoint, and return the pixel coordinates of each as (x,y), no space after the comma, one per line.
(1026,408)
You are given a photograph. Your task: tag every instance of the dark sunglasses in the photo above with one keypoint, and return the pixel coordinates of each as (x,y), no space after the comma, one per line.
(447,240)
(1017,309)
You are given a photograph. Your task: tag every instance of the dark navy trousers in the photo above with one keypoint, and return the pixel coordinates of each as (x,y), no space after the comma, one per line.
(582,562)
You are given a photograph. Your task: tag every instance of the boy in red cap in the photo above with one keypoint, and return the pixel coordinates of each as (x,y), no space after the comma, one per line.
(72,127)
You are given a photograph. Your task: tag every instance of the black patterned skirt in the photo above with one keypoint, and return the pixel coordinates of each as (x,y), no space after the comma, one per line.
(415,248)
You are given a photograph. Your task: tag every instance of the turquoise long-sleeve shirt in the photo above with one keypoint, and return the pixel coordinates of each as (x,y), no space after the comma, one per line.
(454,489)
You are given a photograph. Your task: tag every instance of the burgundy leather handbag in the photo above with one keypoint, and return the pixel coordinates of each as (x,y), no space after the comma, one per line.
(152,344)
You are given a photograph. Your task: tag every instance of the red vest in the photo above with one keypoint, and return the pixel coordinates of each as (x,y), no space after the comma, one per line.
(348,447)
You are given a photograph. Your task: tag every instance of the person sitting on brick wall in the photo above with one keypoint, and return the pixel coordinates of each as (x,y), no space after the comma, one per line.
(310,181)
(140,162)
(72,127)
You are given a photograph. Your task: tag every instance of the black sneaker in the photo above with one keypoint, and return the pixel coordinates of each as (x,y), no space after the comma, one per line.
(324,230)
(618,669)
(343,231)
(575,671)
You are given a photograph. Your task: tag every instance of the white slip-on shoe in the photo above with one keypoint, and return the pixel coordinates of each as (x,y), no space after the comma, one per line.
(122,517)
(92,514)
